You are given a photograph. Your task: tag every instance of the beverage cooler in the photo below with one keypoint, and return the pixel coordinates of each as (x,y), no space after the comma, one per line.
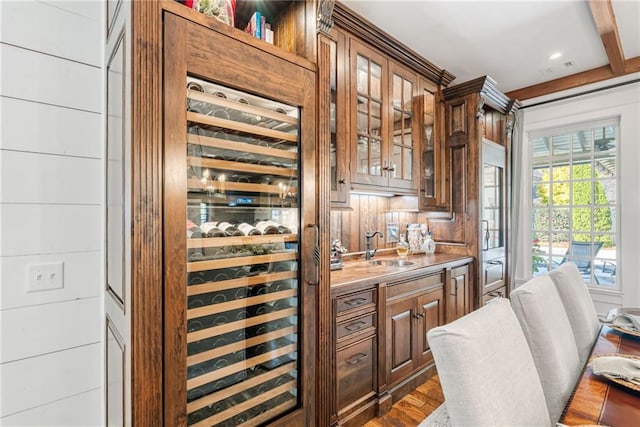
(242,234)
(239,273)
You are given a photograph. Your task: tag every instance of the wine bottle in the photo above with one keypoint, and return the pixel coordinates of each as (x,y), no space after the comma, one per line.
(248,229)
(229,229)
(267,227)
(211,229)
(193,231)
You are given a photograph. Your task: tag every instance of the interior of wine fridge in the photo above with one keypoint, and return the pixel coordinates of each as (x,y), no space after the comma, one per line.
(242,239)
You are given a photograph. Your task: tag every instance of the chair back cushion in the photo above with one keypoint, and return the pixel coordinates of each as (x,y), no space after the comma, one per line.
(487,374)
(547,329)
(579,307)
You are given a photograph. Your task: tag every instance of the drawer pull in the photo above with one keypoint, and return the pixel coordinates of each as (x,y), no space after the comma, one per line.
(357,359)
(496,294)
(355,326)
(355,301)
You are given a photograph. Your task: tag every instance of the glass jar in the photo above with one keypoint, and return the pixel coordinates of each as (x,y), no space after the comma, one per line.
(402,247)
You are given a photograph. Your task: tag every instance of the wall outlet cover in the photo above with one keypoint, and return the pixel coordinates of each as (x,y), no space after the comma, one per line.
(45,276)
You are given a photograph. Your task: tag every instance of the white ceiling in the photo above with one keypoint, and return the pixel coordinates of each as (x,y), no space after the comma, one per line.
(511,41)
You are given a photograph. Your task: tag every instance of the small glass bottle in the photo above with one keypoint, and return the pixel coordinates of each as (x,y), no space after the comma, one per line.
(402,248)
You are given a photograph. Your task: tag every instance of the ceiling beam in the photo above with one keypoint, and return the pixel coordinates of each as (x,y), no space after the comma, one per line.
(602,12)
(579,79)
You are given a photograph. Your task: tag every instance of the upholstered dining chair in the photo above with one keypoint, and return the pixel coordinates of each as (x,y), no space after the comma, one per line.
(486,370)
(579,307)
(546,327)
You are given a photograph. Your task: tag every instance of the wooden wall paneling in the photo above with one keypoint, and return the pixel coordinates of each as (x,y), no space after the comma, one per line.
(147,215)
(175,201)
(22,226)
(75,410)
(79,278)
(115,376)
(57,79)
(49,328)
(117,175)
(325,391)
(354,236)
(26,126)
(73,371)
(76,178)
(51,29)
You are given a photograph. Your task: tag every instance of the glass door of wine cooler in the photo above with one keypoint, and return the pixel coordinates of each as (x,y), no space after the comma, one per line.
(242,239)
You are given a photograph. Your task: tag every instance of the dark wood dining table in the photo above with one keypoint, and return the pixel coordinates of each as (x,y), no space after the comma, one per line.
(597,400)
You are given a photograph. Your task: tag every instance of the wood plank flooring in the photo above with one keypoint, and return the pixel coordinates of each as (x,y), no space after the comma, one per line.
(413,408)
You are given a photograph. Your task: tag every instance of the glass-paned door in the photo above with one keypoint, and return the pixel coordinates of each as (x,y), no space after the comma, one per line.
(238,321)
(403,139)
(574,196)
(242,258)
(369,93)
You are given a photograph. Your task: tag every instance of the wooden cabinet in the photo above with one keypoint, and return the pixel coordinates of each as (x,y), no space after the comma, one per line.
(478,142)
(382,105)
(413,307)
(240,335)
(339,152)
(356,356)
(433,169)
(457,290)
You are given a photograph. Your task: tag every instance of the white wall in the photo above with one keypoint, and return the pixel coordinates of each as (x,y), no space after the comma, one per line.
(51,209)
(622,102)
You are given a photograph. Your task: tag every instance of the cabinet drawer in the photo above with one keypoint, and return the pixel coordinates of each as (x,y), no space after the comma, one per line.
(356,371)
(355,325)
(356,300)
(493,274)
(498,293)
(414,285)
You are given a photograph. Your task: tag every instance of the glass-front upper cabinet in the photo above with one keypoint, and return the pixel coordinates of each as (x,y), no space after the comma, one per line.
(339,120)
(368,99)
(433,168)
(403,161)
(383,105)
(238,322)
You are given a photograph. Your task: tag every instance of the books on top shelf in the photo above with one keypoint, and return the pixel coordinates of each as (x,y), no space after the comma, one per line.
(259,28)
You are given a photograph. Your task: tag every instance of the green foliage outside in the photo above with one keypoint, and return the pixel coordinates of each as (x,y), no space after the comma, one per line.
(581,217)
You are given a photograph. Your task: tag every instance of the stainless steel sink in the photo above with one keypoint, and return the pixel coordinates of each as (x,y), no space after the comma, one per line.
(390,262)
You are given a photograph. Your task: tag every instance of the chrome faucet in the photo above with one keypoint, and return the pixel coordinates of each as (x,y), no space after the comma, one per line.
(368,254)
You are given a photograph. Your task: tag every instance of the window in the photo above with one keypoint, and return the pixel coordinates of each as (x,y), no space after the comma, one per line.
(574,211)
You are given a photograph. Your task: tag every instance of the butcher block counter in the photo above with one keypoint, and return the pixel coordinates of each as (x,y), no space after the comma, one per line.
(382,311)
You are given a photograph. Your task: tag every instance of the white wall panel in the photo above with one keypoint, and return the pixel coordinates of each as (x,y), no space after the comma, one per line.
(47,328)
(31,126)
(79,410)
(25,74)
(45,178)
(36,381)
(92,9)
(52,179)
(49,29)
(82,279)
(46,229)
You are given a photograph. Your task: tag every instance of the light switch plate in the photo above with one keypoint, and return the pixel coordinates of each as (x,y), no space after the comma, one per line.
(45,276)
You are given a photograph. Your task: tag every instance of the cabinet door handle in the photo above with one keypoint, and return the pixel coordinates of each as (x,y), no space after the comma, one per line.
(495,262)
(418,316)
(355,301)
(357,359)
(313,268)
(355,326)
(342,181)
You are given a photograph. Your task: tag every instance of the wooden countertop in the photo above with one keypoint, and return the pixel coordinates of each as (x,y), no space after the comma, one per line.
(367,272)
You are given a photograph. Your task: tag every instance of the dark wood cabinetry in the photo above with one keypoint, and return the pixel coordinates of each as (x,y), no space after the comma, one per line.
(478,139)
(412,307)
(458,292)
(356,356)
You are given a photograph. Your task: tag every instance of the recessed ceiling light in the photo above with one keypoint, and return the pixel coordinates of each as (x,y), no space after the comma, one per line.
(555,55)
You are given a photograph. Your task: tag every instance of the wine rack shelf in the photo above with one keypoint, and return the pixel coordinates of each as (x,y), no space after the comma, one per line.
(242,309)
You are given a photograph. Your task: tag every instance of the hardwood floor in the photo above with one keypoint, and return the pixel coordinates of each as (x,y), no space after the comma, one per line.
(413,408)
